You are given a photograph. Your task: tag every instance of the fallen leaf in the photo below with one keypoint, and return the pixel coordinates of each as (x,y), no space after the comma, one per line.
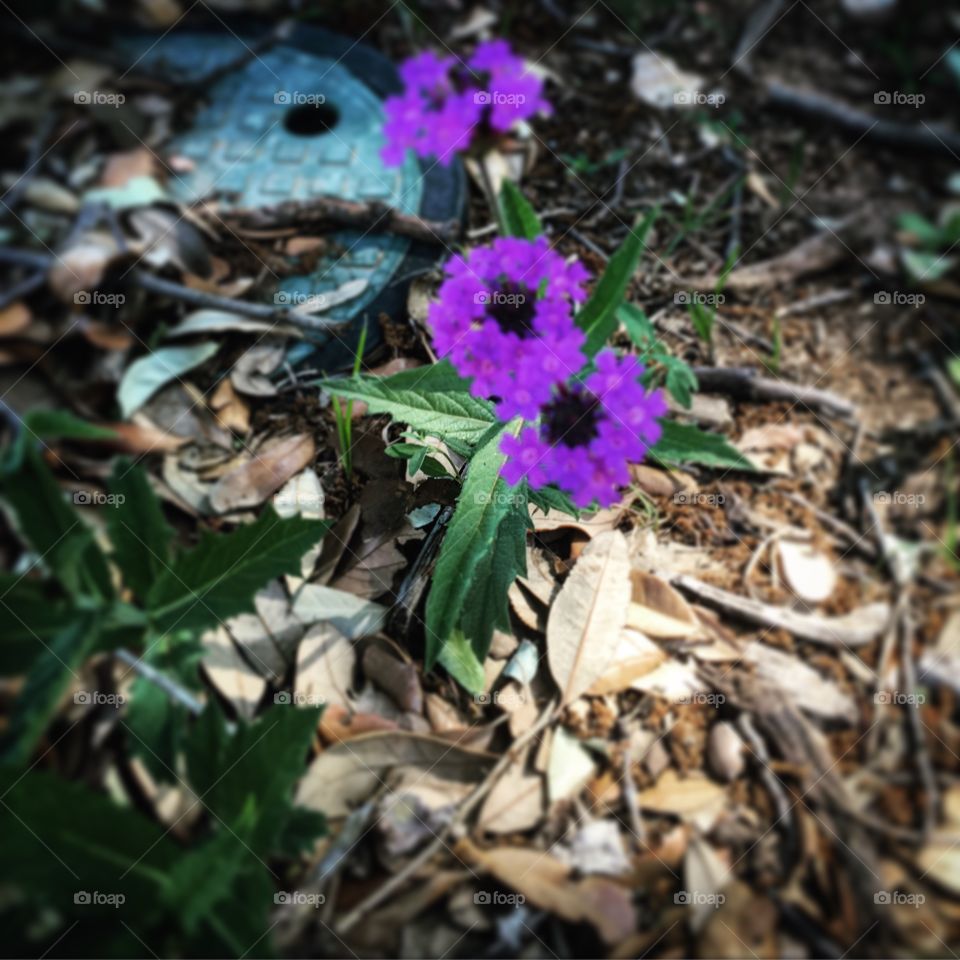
(516,801)
(352,615)
(325,665)
(249,484)
(658,81)
(123,166)
(657,610)
(346,774)
(230,409)
(236,680)
(569,768)
(79,269)
(14,319)
(548,883)
(634,656)
(144,377)
(250,373)
(694,798)
(590,609)
(810,574)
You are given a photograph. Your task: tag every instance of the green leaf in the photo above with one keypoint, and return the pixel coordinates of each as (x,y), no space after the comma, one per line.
(218,578)
(458,659)
(680,380)
(926,267)
(550,498)
(46,683)
(29,618)
(260,762)
(519,217)
(598,317)
(683,443)
(484,503)
(436,403)
(489,608)
(55,531)
(144,377)
(60,839)
(140,536)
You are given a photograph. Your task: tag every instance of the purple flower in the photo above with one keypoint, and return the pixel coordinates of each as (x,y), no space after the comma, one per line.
(588,433)
(504,316)
(445,104)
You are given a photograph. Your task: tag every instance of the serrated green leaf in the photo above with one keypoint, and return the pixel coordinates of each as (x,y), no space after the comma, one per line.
(262,760)
(684,443)
(459,660)
(519,217)
(140,536)
(52,527)
(219,577)
(598,316)
(433,402)
(550,498)
(484,502)
(29,618)
(49,676)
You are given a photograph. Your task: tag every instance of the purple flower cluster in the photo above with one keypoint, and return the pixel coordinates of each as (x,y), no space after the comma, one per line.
(446,103)
(588,433)
(504,317)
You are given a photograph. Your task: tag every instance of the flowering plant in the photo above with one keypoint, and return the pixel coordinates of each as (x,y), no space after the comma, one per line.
(447,104)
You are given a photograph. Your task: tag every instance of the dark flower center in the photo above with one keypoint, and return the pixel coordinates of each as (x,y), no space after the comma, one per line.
(513,308)
(571,419)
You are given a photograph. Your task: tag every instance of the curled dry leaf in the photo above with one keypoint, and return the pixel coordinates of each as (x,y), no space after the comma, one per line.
(250,374)
(810,574)
(548,883)
(657,610)
(397,677)
(80,268)
(346,774)
(272,466)
(589,611)
(230,409)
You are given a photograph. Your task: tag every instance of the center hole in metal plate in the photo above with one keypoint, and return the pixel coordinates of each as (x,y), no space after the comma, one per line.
(311,119)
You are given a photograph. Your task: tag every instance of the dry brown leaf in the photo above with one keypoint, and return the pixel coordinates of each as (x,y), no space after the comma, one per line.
(590,523)
(634,656)
(254,480)
(770,436)
(548,883)
(346,774)
(231,410)
(339,724)
(516,801)
(230,673)
(657,610)
(250,372)
(325,664)
(810,574)
(589,611)
(397,677)
(694,798)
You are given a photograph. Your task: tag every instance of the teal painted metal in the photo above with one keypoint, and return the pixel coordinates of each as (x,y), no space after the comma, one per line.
(289,125)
